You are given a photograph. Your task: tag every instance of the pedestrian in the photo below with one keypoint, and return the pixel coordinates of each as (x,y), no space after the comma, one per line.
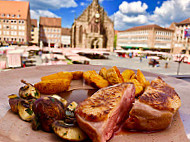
(140,58)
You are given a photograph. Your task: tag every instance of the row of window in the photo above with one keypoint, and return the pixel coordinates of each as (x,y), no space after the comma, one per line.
(13,27)
(133,38)
(13,21)
(12,33)
(50,35)
(163,39)
(50,30)
(144,32)
(163,33)
(12,39)
(9,15)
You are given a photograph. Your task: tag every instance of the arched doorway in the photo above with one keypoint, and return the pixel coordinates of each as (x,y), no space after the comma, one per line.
(95,44)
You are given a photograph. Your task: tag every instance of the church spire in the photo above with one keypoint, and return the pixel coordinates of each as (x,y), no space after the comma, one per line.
(96,1)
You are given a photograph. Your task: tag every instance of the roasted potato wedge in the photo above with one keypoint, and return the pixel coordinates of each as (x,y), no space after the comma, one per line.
(98,81)
(87,74)
(28,91)
(47,110)
(59,75)
(103,72)
(53,86)
(69,132)
(141,78)
(114,76)
(138,87)
(77,75)
(127,75)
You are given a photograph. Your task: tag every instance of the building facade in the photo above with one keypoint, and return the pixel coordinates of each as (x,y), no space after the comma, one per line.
(50,31)
(181,44)
(34,32)
(93,29)
(15,22)
(146,37)
(65,37)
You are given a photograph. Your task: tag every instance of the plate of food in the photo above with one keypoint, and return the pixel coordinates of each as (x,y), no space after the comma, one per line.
(92,103)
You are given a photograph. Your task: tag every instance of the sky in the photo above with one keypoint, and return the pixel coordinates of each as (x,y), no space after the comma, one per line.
(126,13)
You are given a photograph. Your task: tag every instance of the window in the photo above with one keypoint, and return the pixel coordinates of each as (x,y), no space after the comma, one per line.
(8,15)
(0,26)
(18,16)
(2,15)
(13,15)
(80,34)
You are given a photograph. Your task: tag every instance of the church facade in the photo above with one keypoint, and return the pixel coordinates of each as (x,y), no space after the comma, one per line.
(93,29)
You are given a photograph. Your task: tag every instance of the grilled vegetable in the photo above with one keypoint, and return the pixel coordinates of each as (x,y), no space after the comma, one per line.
(47,110)
(13,102)
(67,131)
(70,113)
(25,110)
(28,91)
(60,99)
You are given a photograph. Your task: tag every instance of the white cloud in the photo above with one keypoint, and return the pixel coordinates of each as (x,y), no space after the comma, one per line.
(48,4)
(35,14)
(171,11)
(130,14)
(82,3)
(133,7)
(135,14)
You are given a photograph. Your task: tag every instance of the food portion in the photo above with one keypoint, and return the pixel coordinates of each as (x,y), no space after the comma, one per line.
(94,79)
(59,75)
(77,75)
(103,113)
(53,86)
(70,132)
(127,101)
(113,76)
(25,109)
(154,110)
(28,91)
(47,110)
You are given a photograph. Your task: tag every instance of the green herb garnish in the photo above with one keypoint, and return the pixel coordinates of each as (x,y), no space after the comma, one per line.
(29,111)
(65,133)
(26,94)
(36,93)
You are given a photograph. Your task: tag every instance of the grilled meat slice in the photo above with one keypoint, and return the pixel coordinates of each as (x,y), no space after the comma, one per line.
(103,113)
(155,108)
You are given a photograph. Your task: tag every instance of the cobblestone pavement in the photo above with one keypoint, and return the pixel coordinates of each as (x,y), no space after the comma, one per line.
(135,63)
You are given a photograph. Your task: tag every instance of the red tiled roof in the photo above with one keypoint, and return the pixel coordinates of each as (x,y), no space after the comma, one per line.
(50,22)
(66,31)
(34,22)
(145,27)
(15,9)
(186,21)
